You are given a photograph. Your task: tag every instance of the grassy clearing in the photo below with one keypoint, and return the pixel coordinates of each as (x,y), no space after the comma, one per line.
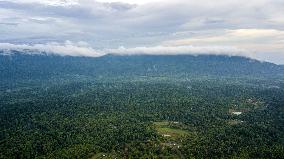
(167,130)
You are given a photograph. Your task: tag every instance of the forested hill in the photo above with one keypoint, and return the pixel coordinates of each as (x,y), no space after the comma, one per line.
(30,66)
(142,106)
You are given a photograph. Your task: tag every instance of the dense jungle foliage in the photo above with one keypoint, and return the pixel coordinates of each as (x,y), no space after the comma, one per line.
(159,107)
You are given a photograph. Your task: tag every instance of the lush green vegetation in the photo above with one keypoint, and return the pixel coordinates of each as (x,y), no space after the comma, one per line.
(134,119)
(79,116)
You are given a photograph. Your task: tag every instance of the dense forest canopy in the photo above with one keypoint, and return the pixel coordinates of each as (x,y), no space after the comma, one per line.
(140,106)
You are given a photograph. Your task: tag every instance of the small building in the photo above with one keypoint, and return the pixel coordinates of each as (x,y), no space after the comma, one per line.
(237,113)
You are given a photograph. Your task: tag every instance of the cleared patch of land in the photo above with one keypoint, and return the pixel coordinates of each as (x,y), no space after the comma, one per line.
(170,129)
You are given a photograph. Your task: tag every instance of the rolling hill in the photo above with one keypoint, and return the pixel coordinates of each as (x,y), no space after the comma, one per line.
(19,65)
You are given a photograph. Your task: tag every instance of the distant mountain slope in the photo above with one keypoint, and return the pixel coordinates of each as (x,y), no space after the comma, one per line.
(31,66)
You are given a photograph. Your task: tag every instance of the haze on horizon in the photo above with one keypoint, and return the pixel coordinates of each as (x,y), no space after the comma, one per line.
(87,27)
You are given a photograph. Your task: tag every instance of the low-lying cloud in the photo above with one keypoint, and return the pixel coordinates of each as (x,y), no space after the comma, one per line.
(83,49)
(66,49)
(179,50)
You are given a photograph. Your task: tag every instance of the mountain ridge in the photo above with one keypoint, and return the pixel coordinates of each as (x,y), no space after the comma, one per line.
(22,65)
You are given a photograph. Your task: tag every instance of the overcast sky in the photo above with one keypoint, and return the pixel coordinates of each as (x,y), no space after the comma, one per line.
(87,27)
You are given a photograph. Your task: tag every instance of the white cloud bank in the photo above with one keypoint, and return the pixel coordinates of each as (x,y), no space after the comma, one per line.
(83,49)
(179,50)
(68,48)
